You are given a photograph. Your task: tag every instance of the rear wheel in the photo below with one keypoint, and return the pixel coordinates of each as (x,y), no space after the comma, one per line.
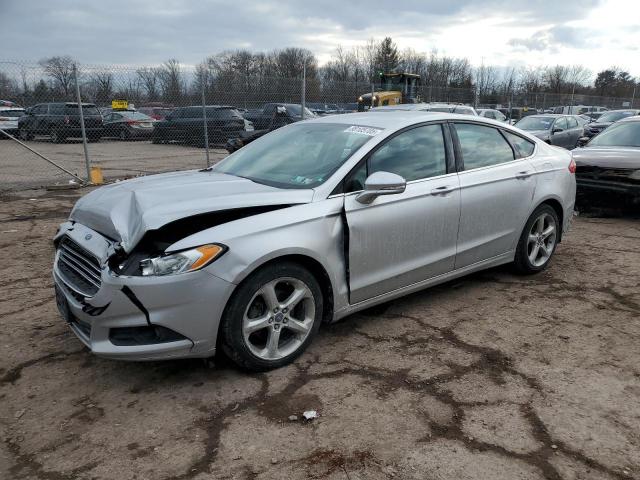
(56,136)
(272,317)
(25,135)
(124,135)
(538,241)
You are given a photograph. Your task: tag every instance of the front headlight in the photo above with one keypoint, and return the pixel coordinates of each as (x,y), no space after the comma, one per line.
(181,262)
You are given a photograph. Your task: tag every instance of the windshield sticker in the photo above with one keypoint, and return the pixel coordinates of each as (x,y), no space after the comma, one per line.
(363,130)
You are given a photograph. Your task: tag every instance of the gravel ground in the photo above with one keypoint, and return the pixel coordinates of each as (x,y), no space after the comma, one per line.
(494,376)
(20,168)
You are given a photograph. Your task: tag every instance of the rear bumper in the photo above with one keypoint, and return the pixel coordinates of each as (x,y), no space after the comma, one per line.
(190,305)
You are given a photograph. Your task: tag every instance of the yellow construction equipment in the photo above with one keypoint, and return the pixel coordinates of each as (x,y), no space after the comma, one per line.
(395,88)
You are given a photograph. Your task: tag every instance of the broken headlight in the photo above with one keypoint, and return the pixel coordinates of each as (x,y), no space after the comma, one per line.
(181,262)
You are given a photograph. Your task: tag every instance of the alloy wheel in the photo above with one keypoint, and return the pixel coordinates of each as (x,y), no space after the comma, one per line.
(279,318)
(541,240)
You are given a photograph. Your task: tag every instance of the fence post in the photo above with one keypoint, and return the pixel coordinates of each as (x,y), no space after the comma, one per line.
(204,119)
(304,86)
(82,129)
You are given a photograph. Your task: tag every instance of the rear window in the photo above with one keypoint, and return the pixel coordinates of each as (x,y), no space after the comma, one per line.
(11,113)
(524,147)
(86,110)
(227,113)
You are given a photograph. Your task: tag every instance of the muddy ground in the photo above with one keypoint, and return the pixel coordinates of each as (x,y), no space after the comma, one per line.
(494,376)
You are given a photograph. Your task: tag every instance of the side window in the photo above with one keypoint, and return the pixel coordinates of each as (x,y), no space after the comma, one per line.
(55,110)
(40,109)
(269,109)
(355,181)
(482,146)
(572,122)
(523,147)
(560,123)
(414,154)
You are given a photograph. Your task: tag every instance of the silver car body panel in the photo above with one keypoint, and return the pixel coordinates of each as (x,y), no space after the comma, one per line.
(370,253)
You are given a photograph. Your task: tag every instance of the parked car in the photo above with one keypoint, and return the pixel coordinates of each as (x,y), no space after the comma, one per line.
(60,121)
(157,113)
(186,125)
(560,130)
(606,119)
(578,109)
(428,107)
(308,224)
(608,167)
(9,120)
(492,114)
(515,114)
(126,125)
(324,108)
(268,118)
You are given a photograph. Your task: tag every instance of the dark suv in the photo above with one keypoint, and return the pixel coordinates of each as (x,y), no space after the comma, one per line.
(186,125)
(60,121)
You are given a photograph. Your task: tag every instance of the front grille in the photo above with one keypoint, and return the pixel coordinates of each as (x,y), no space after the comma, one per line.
(78,268)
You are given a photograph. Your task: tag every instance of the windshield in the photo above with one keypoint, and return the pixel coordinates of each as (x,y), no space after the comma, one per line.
(625,134)
(615,116)
(535,123)
(298,156)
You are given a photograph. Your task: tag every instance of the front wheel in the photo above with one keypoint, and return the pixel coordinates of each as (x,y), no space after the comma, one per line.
(272,317)
(25,135)
(538,241)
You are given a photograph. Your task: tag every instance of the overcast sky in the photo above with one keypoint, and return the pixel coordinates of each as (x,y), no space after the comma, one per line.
(595,33)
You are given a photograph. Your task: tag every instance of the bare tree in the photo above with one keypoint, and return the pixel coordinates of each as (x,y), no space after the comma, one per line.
(60,69)
(149,78)
(171,80)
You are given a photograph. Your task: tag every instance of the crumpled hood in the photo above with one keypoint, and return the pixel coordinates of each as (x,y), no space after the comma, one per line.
(124,211)
(609,157)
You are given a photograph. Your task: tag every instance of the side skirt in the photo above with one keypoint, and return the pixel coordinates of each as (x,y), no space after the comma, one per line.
(445,277)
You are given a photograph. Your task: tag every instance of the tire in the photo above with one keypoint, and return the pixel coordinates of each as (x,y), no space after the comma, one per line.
(24,135)
(123,135)
(258,332)
(93,139)
(55,136)
(538,241)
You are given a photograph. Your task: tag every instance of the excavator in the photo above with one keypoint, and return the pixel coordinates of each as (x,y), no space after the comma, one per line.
(395,88)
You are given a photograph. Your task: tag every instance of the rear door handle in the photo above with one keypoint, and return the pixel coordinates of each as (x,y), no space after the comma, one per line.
(524,174)
(442,190)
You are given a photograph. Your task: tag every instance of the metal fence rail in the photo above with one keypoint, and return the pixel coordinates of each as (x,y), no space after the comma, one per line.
(129,146)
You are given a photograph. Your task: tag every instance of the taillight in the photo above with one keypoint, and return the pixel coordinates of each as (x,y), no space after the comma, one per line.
(572,166)
(66,119)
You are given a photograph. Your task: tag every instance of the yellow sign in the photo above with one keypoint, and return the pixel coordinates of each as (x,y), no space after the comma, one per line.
(119,104)
(525,109)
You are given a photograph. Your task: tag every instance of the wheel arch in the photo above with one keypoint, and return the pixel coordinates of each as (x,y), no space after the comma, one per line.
(313,265)
(557,207)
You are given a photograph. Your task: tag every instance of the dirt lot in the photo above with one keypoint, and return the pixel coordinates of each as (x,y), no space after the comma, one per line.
(492,377)
(19,167)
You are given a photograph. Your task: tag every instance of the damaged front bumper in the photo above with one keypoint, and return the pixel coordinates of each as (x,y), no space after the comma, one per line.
(134,318)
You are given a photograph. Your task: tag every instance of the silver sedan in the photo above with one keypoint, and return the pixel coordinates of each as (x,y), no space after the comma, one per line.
(306,225)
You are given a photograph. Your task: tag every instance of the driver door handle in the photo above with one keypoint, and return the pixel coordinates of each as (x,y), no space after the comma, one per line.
(524,174)
(442,190)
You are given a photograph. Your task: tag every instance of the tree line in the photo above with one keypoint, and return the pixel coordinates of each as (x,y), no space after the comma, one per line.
(237,76)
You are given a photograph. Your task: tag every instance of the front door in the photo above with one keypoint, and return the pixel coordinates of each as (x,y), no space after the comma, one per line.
(496,191)
(402,239)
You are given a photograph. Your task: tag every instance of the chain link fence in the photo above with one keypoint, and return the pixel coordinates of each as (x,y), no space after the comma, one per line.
(172,117)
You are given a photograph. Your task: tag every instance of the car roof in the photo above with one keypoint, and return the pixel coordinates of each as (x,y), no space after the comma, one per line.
(634,118)
(394,119)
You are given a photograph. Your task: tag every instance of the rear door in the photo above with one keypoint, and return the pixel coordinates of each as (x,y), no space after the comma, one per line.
(496,190)
(574,132)
(402,239)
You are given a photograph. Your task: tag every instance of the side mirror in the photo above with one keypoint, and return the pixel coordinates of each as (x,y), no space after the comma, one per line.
(381,183)
(582,141)
(557,130)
